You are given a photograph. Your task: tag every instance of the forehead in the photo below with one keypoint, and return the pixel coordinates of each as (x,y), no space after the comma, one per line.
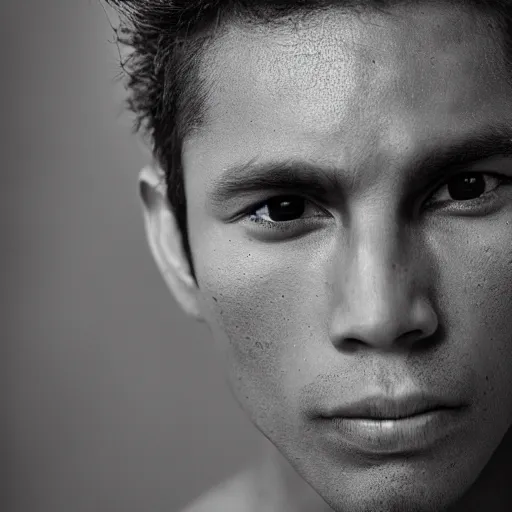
(341,83)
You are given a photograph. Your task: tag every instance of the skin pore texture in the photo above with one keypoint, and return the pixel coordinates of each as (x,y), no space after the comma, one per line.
(384,283)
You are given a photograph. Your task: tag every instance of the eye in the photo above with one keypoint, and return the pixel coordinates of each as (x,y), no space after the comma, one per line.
(284,209)
(469,187)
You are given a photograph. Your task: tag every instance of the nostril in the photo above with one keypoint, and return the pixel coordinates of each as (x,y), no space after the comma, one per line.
(410,336)
(351,345)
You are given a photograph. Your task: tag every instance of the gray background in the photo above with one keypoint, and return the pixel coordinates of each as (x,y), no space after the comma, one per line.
(115,400)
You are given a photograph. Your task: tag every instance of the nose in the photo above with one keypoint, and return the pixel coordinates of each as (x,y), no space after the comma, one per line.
(381,301)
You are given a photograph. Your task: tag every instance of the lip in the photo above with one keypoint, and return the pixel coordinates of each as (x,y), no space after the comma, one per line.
(392,408)
(384,425)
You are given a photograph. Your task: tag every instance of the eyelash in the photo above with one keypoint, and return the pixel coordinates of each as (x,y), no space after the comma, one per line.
(287,225)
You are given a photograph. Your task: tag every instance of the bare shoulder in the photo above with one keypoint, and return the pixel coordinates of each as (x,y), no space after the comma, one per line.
(237,494)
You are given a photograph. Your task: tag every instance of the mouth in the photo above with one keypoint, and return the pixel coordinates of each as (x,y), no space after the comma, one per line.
(392,425)
(390,408)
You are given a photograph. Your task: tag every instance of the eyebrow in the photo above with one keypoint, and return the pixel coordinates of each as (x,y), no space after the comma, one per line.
(323,179)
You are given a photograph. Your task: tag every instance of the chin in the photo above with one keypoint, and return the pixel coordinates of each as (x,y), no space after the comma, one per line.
(394,500)
(402,484)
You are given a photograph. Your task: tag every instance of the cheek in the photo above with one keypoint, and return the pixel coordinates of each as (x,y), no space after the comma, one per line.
(265,317)
(474,292)
(480,283)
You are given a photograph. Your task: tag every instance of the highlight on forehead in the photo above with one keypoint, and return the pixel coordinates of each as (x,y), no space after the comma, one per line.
(229,50)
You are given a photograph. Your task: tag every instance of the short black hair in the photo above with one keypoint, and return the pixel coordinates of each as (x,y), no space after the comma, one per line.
(167,40)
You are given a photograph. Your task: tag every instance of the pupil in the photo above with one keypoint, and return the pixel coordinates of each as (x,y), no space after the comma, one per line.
(466,186)
(283,208)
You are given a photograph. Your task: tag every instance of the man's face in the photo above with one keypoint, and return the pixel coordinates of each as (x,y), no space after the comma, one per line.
(395,279)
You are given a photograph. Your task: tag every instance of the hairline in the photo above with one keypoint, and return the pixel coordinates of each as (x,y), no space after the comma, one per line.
(193,129)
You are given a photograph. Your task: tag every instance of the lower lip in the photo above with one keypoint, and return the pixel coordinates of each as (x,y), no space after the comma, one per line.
(411,434)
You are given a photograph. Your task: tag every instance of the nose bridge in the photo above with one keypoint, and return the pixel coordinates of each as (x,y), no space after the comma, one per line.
(380,276)
(379,296)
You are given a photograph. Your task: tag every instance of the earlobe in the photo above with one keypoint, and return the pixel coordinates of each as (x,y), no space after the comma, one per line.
(165,241)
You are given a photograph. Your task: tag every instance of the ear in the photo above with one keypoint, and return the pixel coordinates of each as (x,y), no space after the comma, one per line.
(165,241)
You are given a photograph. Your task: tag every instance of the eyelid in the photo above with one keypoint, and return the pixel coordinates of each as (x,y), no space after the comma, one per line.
(446,180)
(260,204)
(306,199)
(302,223)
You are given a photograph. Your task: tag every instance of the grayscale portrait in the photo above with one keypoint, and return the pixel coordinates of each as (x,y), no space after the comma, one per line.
(329,191)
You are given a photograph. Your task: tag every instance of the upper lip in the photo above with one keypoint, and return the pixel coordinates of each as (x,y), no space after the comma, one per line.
(391,407)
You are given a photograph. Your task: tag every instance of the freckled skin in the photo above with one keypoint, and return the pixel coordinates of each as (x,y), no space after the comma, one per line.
(301,320)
